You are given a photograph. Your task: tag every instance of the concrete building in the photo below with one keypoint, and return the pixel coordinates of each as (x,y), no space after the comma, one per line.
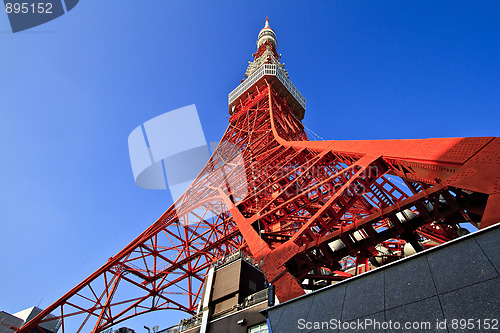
(9,322)
(453,287)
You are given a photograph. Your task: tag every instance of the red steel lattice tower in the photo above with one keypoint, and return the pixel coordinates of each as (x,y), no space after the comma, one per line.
(306,211)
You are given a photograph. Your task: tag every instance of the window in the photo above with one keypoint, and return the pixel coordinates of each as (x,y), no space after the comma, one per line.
(259,328)
(252,285)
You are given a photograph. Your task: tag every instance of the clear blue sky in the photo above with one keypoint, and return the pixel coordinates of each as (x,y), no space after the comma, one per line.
(73,89)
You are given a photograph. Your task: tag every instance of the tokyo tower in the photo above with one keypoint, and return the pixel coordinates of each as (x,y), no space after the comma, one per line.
(307,212)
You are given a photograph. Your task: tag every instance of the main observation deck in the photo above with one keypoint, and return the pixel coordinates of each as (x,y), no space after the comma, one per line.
(277,78)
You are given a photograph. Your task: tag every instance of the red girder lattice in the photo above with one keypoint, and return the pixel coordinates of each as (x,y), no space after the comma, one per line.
(304,210)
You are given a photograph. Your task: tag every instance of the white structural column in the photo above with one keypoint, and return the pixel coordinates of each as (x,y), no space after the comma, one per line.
(206,300)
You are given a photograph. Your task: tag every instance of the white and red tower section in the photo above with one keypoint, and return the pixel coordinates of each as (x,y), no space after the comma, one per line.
(308,212)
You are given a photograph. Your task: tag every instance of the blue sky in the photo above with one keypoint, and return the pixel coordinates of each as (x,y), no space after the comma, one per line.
(73,89)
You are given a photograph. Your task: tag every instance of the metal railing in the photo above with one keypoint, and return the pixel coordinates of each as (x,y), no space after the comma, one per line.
(256,298)
(233,257)
(267,69)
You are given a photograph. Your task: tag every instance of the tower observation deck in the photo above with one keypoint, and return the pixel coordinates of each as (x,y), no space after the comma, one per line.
(309,213)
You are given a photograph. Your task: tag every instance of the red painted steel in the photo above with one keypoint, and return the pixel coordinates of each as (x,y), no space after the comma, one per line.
(308,212)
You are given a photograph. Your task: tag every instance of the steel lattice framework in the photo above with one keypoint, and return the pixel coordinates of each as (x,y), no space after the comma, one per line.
(306,211)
